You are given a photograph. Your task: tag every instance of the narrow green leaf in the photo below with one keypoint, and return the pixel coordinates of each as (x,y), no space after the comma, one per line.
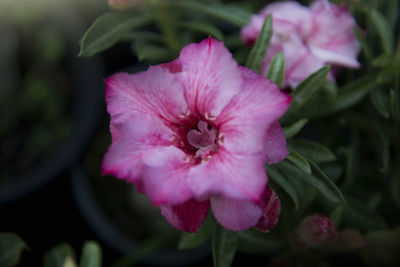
(351,159)
(151,52)
(143,36)
(166,21)
(324,188)
(293,129)
(278,178)
(254,242)
(380,100)
(298,160)
(193,240)
(227,13)
(276,70)
(374,201)
(313,150)
(59,255)
(224,245)
(108,29)
(328,181)
(91,255)
(336,216)
(384,30)
(365,46)
(305,90)
(260,47)
(11,247)
(203,27)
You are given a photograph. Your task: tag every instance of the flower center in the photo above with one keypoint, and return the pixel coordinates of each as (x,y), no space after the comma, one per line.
(203,139)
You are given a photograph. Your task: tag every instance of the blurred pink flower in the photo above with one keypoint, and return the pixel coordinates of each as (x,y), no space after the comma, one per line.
(309,38)
(196,132)
(315,231)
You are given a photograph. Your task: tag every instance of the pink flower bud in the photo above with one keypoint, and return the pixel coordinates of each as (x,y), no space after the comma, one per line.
(271,207)
(315,231)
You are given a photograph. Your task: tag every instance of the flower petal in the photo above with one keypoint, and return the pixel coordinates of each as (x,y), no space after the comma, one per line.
(271,208)
(210,76)
(235,215)
(187,216)
(141,93)
(275,149)
(246,119)
(230,175)
(140,133)
(164,175)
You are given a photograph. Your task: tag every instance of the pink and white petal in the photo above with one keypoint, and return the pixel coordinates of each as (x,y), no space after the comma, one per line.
(164,175)
(210,76)
(234,214)
(188,216)
(140,133)
(334,58)
(271,208)
(275,144)
(230,175)
(246,119)
(141,93)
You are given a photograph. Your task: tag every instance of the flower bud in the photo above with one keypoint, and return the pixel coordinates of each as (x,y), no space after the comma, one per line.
(315,231)
(271,206)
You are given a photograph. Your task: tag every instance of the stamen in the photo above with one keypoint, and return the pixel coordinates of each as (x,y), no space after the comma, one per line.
(203,140)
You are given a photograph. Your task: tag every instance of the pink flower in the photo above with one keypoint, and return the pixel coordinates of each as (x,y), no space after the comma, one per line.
(196,132)
(309,38)
(315,231)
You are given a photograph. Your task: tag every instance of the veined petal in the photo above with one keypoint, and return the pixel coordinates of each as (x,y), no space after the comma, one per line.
(234,214)
(187,216)
(140,133)
(246,119)
(334,58)
(230,175)
(210,76)
(275,144)
(164,175)
(141,93)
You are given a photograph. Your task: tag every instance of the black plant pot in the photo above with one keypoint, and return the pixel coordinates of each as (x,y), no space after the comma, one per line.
(85,110)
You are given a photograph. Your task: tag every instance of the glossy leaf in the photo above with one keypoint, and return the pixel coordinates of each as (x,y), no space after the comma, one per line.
(108,29)
(293,129)
(298,160)
(151,52)
(254,242)
(59,255)
(227,13)
(282,181)
(224,245)
(313,150)
(276,69)
(203,27)
(260,47)
(91,255)
(384,30)
(324,188)
(11,247)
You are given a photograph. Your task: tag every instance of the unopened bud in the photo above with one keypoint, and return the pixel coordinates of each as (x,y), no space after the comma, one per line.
(271,206)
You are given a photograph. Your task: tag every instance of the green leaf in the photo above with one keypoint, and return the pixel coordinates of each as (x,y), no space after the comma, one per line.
(255,242)
(193,240)
(336,216)
(313,150)
(380,101)
(227,13)
(293,129)
(108,29)
(278,178)
(395,97)
(59,255)
(395,185)
(276,70)
(143,36)
(204,27)
(224,245)
(305,90)
(151,52)
(260,47)
(324,188)
(11,247)
(91,255)
(365,46)
(384,30)
(374,201)
(298,160)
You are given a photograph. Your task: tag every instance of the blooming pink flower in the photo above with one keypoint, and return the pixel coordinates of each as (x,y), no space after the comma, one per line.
(196,132)
(309,38)
(315,231)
